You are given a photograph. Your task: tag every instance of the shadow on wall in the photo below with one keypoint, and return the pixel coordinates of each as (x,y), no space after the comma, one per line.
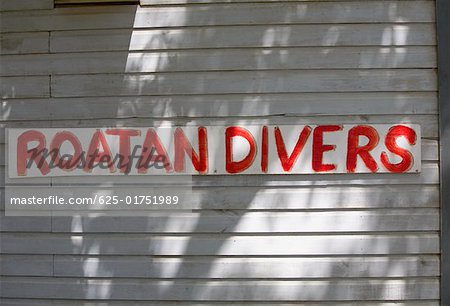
(250,237)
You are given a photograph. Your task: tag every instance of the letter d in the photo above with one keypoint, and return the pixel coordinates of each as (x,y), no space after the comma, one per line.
(238,166)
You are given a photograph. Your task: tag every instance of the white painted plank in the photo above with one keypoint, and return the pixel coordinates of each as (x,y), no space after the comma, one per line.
(59,302)
(31,302)
(25,109)
(24,43)
(26,181)
(72,2)
(422,220)
(229,199)
(27,123)
(2,155)
(219,60)
(100,17)
(221,245)
(244,268)
(274,13)
(429,176)
(428,123)
(245,82)
(25,87)
(25,224)
(386,35)
(265,290)
(129,16)
(29,265)
(23,5)
(430,150)
(188,2)
(236,105)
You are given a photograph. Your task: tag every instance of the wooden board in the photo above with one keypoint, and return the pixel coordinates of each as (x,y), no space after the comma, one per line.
(234,200)
(195,2)
(252,36)
(221,290)
(219,244)
(242,268)
(244,82)
(428,123)
(219,267)
(61,302)
(428,176)
(128,16)
(25,87)
(85,2)
(224,105)
(23,43)
(24,5)
(219,60)
(422,220)
(29,265)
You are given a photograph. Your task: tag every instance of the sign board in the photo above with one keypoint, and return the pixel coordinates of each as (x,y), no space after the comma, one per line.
(215,150)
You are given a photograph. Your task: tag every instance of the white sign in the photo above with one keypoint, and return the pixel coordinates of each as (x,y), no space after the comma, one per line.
(206,150)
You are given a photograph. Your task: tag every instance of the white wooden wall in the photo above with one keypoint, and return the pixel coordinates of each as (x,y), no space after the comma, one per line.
(343,239)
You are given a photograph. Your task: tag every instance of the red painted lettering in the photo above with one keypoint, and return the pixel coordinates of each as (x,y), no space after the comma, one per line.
(55,148)
(319,147)
(182,146)
(36,154)
(353,148)
(391,144)
(287,162)
(238,166)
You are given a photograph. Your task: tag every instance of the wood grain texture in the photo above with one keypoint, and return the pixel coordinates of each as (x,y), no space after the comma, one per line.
(239,199)
(25,224)
(316,35)
(288,12)
(219,244)
(23,43)
(195,2)
(256,222)
(24,5)
(27,265)
(428,123)
(25,87)
(72,2)
(429,176)
(245,268)
(224,105)
(111,17)
(222,290)
(219,60)
(60,302)
(244,82)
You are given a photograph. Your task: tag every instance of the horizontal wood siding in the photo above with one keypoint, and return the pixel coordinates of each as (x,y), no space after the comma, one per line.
(367,240)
